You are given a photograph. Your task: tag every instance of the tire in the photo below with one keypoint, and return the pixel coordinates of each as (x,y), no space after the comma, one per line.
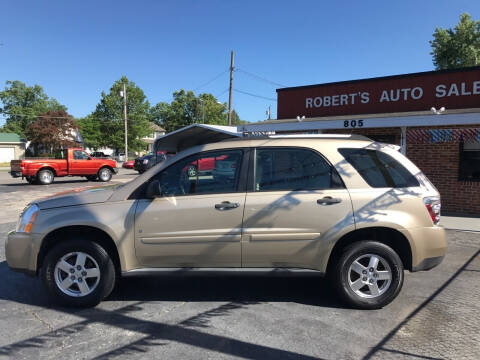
(192,171)
(32,180)
(45,177)
(104,174)
(352,282)
(91,177)
(84,290)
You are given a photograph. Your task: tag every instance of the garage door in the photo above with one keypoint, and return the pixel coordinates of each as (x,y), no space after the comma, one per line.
(7,154)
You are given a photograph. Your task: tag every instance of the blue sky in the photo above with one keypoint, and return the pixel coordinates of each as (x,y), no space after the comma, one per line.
(76,49)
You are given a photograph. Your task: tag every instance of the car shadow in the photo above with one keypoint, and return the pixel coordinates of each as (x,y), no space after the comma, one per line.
(302,289)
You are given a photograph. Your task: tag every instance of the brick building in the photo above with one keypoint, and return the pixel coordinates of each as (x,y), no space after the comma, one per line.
(434,116)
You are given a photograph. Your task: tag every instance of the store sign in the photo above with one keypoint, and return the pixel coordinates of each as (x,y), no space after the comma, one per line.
(414,92)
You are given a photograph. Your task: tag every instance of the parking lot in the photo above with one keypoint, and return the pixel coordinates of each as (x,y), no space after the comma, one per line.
(436,316)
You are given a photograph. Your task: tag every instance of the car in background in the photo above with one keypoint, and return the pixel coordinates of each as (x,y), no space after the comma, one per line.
(128,164)
(146,162)
(99,154)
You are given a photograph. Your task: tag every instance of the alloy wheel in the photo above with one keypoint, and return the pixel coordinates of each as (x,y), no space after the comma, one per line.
(77,274)
(369,276)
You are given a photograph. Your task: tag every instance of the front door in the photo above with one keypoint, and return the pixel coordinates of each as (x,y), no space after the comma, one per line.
(197,222)
(298,203)
(81,164)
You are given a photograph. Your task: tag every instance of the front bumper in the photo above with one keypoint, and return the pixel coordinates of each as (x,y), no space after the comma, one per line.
(21,253)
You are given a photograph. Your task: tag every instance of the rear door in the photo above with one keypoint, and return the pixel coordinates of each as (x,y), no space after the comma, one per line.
(297,205)
(198,220)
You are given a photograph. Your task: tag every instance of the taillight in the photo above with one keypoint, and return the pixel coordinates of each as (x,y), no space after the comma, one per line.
(432,203)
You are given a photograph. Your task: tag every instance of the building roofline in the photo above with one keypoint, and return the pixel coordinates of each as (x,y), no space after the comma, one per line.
(389,77)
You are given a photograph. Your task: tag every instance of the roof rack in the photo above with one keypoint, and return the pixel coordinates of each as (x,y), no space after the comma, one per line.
(321,136)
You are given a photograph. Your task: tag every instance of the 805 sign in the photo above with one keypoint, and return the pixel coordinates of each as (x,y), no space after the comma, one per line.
(353,123)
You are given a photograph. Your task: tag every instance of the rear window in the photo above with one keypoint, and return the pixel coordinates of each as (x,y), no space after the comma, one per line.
(379,169)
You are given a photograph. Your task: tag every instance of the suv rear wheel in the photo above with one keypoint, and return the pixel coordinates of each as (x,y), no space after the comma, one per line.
(78,273)
(368,274)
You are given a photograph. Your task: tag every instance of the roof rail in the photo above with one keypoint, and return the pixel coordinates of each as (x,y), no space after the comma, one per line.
(321,136)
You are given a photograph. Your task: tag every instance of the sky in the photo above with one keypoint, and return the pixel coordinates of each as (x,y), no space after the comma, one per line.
(77,49)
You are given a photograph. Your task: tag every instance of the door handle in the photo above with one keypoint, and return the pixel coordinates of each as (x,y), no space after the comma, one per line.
(328,200)
(225,205)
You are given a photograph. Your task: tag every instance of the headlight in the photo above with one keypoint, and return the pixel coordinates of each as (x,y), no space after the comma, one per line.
(145,161)
(27,219)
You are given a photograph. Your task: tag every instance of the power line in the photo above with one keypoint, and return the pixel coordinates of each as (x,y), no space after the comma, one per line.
(211,80)
(39,116)
(260,78)
(254,95)
(223,92)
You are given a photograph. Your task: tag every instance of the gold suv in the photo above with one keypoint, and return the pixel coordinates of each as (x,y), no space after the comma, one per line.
(343,206)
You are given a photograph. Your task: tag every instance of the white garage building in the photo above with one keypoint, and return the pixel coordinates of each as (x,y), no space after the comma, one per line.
(12,147)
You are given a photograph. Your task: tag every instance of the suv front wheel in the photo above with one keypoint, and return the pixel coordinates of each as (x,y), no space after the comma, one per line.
(78,273)
(368,274)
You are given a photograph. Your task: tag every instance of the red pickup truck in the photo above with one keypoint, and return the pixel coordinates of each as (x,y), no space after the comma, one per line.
(68,162)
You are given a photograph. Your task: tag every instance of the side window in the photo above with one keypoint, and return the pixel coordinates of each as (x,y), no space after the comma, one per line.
(204,173)
(80,155)
(379,169)
(293,169)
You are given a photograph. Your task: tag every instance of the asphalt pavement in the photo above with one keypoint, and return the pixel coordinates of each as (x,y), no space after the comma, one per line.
(436,316)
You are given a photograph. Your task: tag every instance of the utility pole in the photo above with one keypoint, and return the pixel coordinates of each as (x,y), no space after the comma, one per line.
(124,95)
(230,91)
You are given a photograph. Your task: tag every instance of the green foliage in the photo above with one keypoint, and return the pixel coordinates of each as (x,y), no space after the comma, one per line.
(458,47)
(187,109)
(108,116)
(91,132)
(22,104)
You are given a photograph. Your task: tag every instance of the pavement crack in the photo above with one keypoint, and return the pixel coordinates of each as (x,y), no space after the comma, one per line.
(36,316)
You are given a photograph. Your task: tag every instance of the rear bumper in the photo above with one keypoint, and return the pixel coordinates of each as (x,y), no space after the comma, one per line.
(15,174)
(428,245)
(428,263)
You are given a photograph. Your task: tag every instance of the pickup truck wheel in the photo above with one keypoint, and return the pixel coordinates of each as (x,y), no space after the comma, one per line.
(45,177)
(104,174)
(192,171)
(78,273)
(368,275)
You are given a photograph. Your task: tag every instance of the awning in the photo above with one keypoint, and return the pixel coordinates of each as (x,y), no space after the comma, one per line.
(195,134)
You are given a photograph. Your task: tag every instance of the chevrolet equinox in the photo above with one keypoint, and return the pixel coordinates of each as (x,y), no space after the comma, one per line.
(354,210)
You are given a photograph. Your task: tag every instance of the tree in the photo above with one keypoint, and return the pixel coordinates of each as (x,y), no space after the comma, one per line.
(187,109)
(458,47)
(52,131)
(91,131)
(22,104)
(109,115)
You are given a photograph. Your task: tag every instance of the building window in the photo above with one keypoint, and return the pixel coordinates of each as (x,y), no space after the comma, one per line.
(469,167)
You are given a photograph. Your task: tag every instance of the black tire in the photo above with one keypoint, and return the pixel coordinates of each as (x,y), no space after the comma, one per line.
(45,177)
(101,290)
(32,180)
(91,177)
(104,174)
(192,171)
(363,297)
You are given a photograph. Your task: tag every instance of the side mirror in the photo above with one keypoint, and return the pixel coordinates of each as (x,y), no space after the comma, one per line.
(154,190)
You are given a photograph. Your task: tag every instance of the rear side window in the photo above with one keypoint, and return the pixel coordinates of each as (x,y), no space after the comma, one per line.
(379,169)
(293,169)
